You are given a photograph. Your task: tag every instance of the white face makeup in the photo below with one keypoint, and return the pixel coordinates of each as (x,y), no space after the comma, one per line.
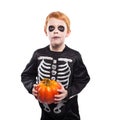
(56,32)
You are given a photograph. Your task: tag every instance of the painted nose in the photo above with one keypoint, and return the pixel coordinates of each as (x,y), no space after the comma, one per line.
(56,31)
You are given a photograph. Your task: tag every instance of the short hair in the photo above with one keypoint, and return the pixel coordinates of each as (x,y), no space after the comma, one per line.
(58,15)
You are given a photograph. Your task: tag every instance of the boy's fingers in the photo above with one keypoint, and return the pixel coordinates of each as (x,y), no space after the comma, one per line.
(34,91)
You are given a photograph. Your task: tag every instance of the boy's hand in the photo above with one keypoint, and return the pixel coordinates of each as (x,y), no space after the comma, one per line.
(63,94)
(34,91)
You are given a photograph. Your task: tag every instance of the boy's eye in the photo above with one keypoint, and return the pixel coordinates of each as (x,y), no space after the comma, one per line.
(61,28)
(51,28)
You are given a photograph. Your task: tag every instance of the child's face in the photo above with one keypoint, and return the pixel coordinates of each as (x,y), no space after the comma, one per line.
(56,31)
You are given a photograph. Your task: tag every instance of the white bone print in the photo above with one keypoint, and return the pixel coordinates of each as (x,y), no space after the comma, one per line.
(58,70)
(64,72)
(57,108)
(46,107)
(44,68)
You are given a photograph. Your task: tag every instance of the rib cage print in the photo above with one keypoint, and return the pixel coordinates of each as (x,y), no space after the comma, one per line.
(57,69)
(64,72)
(44,68)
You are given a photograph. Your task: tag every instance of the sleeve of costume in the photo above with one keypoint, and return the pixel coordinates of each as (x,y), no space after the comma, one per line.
(28,76)
(80,77)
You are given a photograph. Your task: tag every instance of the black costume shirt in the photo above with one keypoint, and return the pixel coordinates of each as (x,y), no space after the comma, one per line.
(65,67)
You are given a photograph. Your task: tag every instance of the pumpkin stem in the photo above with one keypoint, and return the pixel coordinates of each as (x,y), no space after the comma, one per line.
(47,81)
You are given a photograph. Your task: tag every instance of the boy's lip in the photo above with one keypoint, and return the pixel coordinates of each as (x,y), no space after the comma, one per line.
(55,37)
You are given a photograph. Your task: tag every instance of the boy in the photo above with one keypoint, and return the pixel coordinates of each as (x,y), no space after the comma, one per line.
(59,62)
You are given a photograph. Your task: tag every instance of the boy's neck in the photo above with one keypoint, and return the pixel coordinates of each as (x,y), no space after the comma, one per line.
(57,48)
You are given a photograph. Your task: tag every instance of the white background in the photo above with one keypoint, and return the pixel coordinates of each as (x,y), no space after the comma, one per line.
(95,26)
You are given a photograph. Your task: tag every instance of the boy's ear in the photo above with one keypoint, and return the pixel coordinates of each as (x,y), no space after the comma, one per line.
(46,33)
(68,33)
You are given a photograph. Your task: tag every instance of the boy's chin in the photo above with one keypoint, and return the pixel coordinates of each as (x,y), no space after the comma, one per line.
(55,45)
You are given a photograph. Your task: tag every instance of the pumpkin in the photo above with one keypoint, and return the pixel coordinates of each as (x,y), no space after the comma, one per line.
(47,89)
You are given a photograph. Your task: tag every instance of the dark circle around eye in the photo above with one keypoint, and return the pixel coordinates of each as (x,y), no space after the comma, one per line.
(51,28)
(61,28)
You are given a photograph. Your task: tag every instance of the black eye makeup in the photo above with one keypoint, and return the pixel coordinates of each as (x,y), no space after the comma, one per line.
(51,28)
(61,28)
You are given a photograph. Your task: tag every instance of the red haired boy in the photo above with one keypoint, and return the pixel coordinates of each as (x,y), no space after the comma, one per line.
(59,62)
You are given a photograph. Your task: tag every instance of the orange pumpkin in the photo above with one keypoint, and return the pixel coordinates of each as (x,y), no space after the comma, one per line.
(47,89)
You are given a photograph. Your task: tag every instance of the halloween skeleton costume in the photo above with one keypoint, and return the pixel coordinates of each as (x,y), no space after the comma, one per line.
(65,67)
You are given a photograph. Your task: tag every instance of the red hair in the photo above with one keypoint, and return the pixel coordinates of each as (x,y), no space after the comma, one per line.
(58,15)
